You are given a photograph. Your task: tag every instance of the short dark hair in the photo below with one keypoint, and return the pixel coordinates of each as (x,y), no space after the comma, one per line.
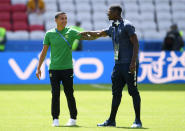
(116,8)
(59,13)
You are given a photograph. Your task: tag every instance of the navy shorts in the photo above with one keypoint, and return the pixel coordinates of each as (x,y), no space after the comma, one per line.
(120,76)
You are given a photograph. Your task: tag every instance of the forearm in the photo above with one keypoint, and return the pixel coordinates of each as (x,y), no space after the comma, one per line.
(135,52)
(135,43)
(88,37)
(41,59)
(42,55)
(92,35)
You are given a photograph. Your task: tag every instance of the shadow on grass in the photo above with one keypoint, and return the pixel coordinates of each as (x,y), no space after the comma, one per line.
(99,87)
(77,126)
(70,126)
(131,128)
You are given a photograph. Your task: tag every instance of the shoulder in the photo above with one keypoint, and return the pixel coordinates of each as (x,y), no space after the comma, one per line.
(50,32)
(77,28)
(109,27)
(128,23)
(72,30)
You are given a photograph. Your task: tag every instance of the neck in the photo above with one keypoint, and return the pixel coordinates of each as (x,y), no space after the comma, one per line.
(118,18)
(59,27)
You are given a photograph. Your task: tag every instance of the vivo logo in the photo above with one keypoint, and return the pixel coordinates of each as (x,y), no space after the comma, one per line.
(88,61)
(24,75)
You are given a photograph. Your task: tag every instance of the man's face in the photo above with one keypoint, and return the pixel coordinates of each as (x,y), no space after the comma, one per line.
(61,20)
(112,14)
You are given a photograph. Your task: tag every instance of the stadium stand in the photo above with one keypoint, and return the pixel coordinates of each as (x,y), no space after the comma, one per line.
(5,7)
(37,35)
(5,16)
(19,2)
(164,25)
(87,26)
(35,19)
(19,8)
(154,16)
(51,7)
(84,16)
(36,28)
(5,1)
(21,26)
(49,25)
(99,6)
(18,35)
(6,24)
(146,7)
(69,6)
(19,17)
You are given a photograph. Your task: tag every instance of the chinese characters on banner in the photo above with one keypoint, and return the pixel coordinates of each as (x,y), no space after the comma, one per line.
(161,67)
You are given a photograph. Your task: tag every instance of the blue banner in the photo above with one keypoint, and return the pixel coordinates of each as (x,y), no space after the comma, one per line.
(95,45)
(93,67)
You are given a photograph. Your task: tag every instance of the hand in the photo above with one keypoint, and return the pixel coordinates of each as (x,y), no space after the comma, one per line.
(132,67)
(38,73)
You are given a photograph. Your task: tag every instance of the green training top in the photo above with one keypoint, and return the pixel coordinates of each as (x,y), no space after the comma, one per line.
(61,53)
(2,32)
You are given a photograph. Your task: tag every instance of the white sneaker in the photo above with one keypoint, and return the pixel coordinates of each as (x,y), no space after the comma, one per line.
(71,122)
(55,122)
(136,125)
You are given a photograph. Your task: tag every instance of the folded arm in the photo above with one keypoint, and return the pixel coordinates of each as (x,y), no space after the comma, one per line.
(92,35)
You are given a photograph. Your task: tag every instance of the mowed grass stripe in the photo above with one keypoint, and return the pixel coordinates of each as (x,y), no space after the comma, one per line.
(145,87)
(28,110)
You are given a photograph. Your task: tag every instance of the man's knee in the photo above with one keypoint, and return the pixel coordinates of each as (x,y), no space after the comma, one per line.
(55,93)
(117,95)
(116,99)
(133,92)
(69,93)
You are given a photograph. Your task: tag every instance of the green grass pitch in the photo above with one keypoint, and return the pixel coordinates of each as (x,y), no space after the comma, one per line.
(27,108)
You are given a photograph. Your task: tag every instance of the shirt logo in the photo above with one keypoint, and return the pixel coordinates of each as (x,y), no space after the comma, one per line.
(50,74)
(71,75)
(117,23)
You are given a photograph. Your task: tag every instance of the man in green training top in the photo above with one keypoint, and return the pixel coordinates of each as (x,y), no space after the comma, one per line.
(77,44)
(60,40)
(2,38)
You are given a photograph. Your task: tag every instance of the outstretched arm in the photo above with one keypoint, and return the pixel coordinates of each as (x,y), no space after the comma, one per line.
(92,35)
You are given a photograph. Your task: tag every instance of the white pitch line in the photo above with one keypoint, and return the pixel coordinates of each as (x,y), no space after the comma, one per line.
(100,86)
